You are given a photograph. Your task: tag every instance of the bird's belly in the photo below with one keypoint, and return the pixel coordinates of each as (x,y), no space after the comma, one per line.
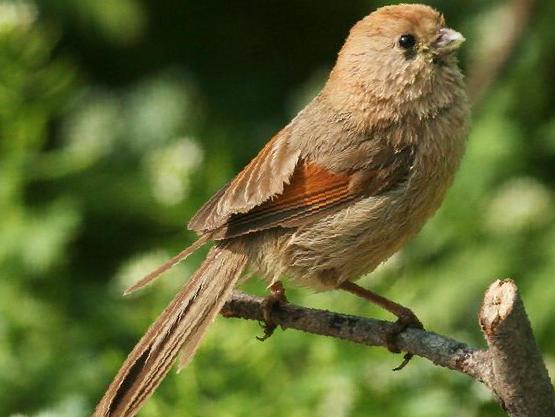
(350,243)
(357,239)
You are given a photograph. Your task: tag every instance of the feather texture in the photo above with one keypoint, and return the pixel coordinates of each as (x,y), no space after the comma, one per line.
(181,256)
(265,176)
(179,328)
(311,191)
(314,191)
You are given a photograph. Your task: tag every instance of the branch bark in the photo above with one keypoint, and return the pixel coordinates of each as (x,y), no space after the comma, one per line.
(512,367)
(519,378)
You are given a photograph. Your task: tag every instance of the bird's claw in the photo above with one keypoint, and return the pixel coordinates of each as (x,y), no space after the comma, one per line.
(275,300)
(405,321)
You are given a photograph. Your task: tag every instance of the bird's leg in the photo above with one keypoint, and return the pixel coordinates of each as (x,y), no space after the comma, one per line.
(405,317)
(275,300)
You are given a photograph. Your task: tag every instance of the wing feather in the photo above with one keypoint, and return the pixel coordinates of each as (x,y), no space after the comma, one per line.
(312,191)
(278,188)
(265,176)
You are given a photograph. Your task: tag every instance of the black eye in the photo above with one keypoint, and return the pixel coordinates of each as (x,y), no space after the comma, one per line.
(407,41)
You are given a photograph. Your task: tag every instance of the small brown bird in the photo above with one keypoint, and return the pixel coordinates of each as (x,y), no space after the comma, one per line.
(331,196)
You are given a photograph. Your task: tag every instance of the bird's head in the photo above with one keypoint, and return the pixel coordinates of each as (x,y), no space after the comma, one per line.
(399,51)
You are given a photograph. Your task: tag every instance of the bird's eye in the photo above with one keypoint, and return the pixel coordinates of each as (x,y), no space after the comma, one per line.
(407,41)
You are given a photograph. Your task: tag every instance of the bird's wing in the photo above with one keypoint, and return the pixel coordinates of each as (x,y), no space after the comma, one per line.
(263,178)
(279,190)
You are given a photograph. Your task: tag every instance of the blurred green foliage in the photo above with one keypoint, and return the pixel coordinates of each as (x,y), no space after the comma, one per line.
(119,118)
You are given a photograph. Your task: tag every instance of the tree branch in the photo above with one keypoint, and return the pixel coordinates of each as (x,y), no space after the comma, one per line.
(519,379)
(510,368)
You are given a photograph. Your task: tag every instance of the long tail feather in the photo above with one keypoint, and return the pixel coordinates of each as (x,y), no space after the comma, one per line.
(181,256)
(179,328)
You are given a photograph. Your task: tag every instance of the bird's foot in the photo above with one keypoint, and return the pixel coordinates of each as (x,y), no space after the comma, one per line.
(406,319)
(273,301)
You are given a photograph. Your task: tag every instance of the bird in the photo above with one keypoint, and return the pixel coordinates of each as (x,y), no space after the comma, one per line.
(331,196)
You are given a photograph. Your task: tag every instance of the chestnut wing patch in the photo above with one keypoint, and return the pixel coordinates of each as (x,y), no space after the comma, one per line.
(312,191)
(264,177)
(279,189)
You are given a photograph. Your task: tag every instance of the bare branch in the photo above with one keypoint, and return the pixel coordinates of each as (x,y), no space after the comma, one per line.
(441,350)
(520,379)
(512,368)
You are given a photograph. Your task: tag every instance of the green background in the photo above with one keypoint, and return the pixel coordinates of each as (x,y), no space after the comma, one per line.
(119,118)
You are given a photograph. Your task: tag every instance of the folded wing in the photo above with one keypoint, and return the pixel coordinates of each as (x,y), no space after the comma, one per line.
(280,188)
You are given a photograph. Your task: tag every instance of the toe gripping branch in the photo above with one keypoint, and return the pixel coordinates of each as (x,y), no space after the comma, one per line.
(274,301)
(405,317)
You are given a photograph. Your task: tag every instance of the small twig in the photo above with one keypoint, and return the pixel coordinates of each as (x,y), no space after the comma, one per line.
(511,367)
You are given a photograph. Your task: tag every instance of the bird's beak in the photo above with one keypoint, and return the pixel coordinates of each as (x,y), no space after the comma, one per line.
(448,41)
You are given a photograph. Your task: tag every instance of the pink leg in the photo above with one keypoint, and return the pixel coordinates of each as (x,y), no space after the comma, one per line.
(405,317)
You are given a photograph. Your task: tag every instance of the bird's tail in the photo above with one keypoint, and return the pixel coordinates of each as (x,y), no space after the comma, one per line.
(179,328)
